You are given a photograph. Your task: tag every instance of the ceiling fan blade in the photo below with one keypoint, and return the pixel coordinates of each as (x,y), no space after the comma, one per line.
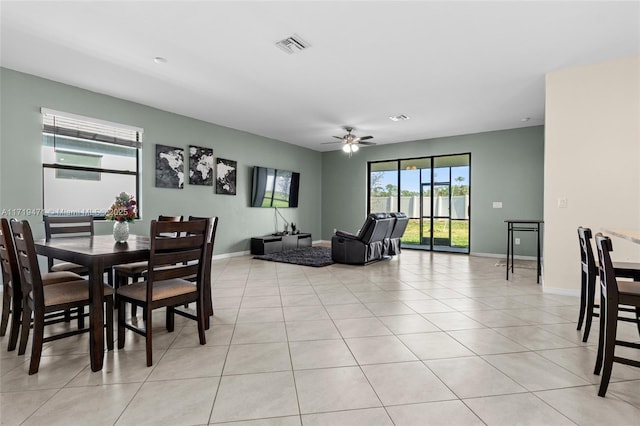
(338,137)
(364,138)
(366,143)
(327,143)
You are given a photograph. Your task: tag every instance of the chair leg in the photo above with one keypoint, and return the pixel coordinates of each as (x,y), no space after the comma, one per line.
(591,296)
(26,327)
(109,322)
(121,320)
(6,309)
(170,318)
(16,320)
(118,281)
(148,335)
(583,300)
(603,314)
(609,346)
(36,345)
(80,317)
(134,308)
(638,318)
(200,315)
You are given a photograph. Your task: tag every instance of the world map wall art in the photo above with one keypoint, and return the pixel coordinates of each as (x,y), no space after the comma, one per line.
(200,166)
(226,176)
(169,167)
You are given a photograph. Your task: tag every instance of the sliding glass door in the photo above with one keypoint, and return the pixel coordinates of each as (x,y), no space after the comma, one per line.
(433,191)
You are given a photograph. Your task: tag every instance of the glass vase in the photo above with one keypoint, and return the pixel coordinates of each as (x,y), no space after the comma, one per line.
(121,231)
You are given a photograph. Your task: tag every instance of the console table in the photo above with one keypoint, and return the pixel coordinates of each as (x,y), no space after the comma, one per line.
(275,243)
(522,225)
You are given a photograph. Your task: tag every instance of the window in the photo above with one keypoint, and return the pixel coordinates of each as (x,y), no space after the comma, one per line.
(86,162)
(433,191)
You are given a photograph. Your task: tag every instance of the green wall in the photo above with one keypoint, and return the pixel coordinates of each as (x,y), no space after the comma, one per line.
(506,166)
(22,96)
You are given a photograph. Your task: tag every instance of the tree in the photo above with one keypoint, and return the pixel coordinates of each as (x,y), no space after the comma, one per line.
(391,190)
(376,188)
(459,188)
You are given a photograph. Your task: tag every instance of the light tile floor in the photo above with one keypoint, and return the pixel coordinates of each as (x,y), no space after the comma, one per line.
(425,338)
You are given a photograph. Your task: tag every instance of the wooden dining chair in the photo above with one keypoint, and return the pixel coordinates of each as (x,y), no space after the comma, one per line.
(589,270)
(172,263)
(613,294)
(12,287)
(39,300)
(67,226)
(136,270)
(211,238)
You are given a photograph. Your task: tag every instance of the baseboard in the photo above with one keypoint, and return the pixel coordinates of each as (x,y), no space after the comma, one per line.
(228,255)
(561,291)
(502,256)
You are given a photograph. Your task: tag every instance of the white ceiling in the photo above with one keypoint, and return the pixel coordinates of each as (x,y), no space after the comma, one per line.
(453,67)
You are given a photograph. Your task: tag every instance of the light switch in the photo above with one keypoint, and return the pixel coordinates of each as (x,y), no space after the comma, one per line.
(562,203)
(497,204)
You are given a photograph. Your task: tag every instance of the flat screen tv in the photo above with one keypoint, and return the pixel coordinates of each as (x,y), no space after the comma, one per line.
(274,188)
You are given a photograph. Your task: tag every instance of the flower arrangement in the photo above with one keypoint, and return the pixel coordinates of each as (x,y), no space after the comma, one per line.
(123,209)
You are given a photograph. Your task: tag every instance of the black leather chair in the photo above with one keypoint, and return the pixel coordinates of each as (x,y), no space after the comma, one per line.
(392,244)
(365,247)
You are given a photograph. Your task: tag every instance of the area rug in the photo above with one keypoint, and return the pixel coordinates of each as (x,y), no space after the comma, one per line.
(308,256)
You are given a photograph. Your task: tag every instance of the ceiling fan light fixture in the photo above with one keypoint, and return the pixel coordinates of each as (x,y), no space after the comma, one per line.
(354,148)
(346,148)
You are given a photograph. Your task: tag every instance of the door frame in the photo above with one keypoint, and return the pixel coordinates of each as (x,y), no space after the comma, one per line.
(431,184)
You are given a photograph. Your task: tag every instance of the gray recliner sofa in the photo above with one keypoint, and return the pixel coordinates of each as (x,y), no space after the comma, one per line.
(368,245)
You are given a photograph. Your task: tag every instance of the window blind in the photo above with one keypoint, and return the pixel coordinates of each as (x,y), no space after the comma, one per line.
(66,124)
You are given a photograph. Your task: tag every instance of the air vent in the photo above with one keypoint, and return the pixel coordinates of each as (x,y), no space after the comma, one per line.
(293,44)
(400,117)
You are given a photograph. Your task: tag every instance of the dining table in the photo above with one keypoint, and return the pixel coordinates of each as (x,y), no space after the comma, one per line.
(626,269)
(627,234)
(96,253)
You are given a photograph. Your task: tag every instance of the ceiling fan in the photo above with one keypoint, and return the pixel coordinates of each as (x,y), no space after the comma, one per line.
(351,141)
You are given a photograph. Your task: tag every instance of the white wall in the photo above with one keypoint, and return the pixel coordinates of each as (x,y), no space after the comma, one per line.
(592,158)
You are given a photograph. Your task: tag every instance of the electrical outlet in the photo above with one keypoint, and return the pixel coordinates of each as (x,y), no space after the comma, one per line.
(517,241)
(497,204)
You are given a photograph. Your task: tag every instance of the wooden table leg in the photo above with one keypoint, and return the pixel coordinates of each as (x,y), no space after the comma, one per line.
(96,315)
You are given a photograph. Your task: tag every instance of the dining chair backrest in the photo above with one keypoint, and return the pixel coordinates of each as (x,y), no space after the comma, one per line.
(27,257)
(182,256)
(587,258)
(608,281)
(211,232)
(10,271)
(66,226)
(163,218)
(211,238)
(11,287)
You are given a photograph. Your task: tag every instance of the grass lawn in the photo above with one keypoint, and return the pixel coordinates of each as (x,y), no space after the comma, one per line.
(459,232)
